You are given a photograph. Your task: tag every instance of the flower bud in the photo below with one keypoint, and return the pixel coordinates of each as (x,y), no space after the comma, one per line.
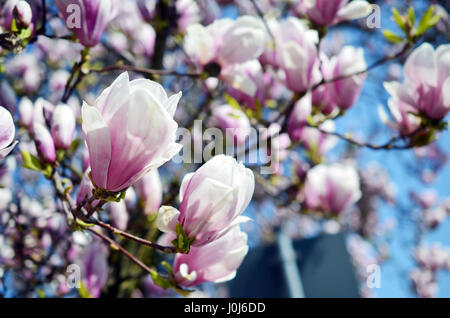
(44,143)
(8,97)
(22,12)
(149,190)
(63,126)
(7,132)
(26,111)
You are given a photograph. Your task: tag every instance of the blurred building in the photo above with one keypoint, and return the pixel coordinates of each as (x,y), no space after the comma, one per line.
(317,267)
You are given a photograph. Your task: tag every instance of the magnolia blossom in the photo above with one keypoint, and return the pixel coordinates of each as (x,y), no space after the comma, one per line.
(119,215)
(329,12)
(433,257)
(8,97)
(297,54)
(28,69)
(147,9)
(149,190)
(94,268)
(85,190)
(129,131)
(349,61)
(246,83)
(313,139)
(424,282)
(299,117)
(226,41)
(317,141)
(44,142)
(63,126)
(94,16)
(188,12)
(7,132)
(214,262)
(331,188)
(15,8)
(212,200)
(426,88)
(233,121)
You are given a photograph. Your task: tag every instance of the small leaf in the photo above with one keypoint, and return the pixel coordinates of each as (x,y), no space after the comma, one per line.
(399,19)
(25,33)
(392,37)
(30,161)
(411,16)
(424,23)
(159,280)
(41,293)
(14,26)
(232,102)
(84,293)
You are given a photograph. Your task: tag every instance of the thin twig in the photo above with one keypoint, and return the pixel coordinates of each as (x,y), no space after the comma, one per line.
(81,213)
(142,70)
(119,247)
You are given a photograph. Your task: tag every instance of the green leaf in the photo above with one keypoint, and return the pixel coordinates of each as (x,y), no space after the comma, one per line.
(25,33)
(232,102)
(14,26)
(411,16)
(182,243)
(435,19)
(159,280)
(74,146)
(41,293)
(30,161)
(168,267)
(84,293)
(399,19)
(427,21)
(392,37)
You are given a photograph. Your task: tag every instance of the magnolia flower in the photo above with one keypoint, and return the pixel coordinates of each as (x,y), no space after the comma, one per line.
(188,12)
(329,12)
(8,97)
(44,142)
(129,131)
(28,69)
(147,9)
(426,89)
(85,190)
(63,126)
(18,9)
(212,200)
(7,132)
(297,54)
(226,41)
(94,268)
(119,215)
(214,262)
(232,121)
(299,117)
(149,190)
(315,141)
(93,17)
(349,61)
(331,188)
(424,282)
(246,83)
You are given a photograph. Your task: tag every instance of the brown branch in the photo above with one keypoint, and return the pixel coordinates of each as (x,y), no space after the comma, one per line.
(70,207)
(142,70)
(119,247)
